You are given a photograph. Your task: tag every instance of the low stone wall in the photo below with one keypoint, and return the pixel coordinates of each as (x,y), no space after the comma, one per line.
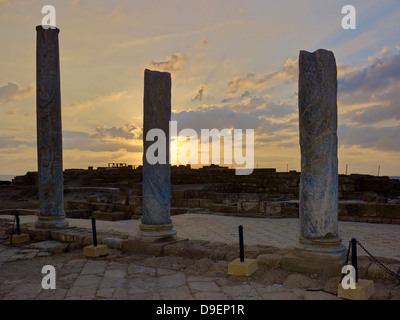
(115,193)
(267,181)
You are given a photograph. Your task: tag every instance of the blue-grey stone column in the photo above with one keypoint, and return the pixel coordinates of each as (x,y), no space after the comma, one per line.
(49,135)
(156,189)
(319,162)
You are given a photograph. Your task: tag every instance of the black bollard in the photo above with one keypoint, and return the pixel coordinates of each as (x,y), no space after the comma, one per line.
(241,246)
(354,256)
(17,221)
(94,231)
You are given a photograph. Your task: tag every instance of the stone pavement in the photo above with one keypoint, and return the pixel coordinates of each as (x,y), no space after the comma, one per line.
(380,239)
(137,276)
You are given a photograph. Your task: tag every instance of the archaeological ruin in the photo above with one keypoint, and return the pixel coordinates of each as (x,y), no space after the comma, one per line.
(318,196)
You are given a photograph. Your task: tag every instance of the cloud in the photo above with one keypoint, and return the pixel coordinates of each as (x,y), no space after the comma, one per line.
(260,106)
(382,139)
(254,81)
(265,139)
(199,95)
(370,93)
(201,44)
(216,117)
(250,81)
(174,64)
(96,142)
(256,113)
(91,104)
(289,72)
(344,69)
(12,142)
(177,63)
(378,77)
(374,114)
(110,139)
(127,132)
(13,91)
(279,110)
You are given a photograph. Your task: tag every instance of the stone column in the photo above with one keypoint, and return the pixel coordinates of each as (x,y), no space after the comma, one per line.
(156,223)
(49,135)
(319,163)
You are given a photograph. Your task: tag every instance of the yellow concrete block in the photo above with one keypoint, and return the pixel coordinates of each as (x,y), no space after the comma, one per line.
(363,291)
(19,238)
(245,268)
(95,251)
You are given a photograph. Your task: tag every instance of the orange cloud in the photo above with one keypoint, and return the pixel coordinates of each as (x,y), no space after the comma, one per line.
(91,104)
(250,81)
(174,64)
(261,82)
(13,91)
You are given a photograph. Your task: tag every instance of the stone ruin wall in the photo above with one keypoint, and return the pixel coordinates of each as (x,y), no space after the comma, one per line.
(264,193)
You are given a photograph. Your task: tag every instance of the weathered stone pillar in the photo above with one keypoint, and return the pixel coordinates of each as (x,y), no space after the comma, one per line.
(318,143)
(49,135)
(156,189)
(319,245)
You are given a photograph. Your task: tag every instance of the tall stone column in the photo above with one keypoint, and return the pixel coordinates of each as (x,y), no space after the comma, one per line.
(156,223)
(319,162)
(319,248)
(49,135)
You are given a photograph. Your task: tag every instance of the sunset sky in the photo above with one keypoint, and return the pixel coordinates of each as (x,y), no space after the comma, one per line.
(233,64)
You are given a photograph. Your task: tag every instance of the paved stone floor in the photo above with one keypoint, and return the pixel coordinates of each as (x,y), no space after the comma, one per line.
(134,276)
(380,239)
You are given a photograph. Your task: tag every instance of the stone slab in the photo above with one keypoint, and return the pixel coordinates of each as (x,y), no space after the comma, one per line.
(95,251)
(242,268)
(271,260)
(50,246)
(137,245)
(327,267)
(19,238)
(363,291)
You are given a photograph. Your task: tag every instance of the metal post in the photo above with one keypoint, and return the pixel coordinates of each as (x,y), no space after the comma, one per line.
(17,221)
(346,168)
(354,256)
(379,169)
(241,246)
(94,231)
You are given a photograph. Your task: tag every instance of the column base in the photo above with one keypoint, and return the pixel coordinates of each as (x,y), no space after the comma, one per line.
(51,222)
(329,249)
(156,232)
(321,256)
